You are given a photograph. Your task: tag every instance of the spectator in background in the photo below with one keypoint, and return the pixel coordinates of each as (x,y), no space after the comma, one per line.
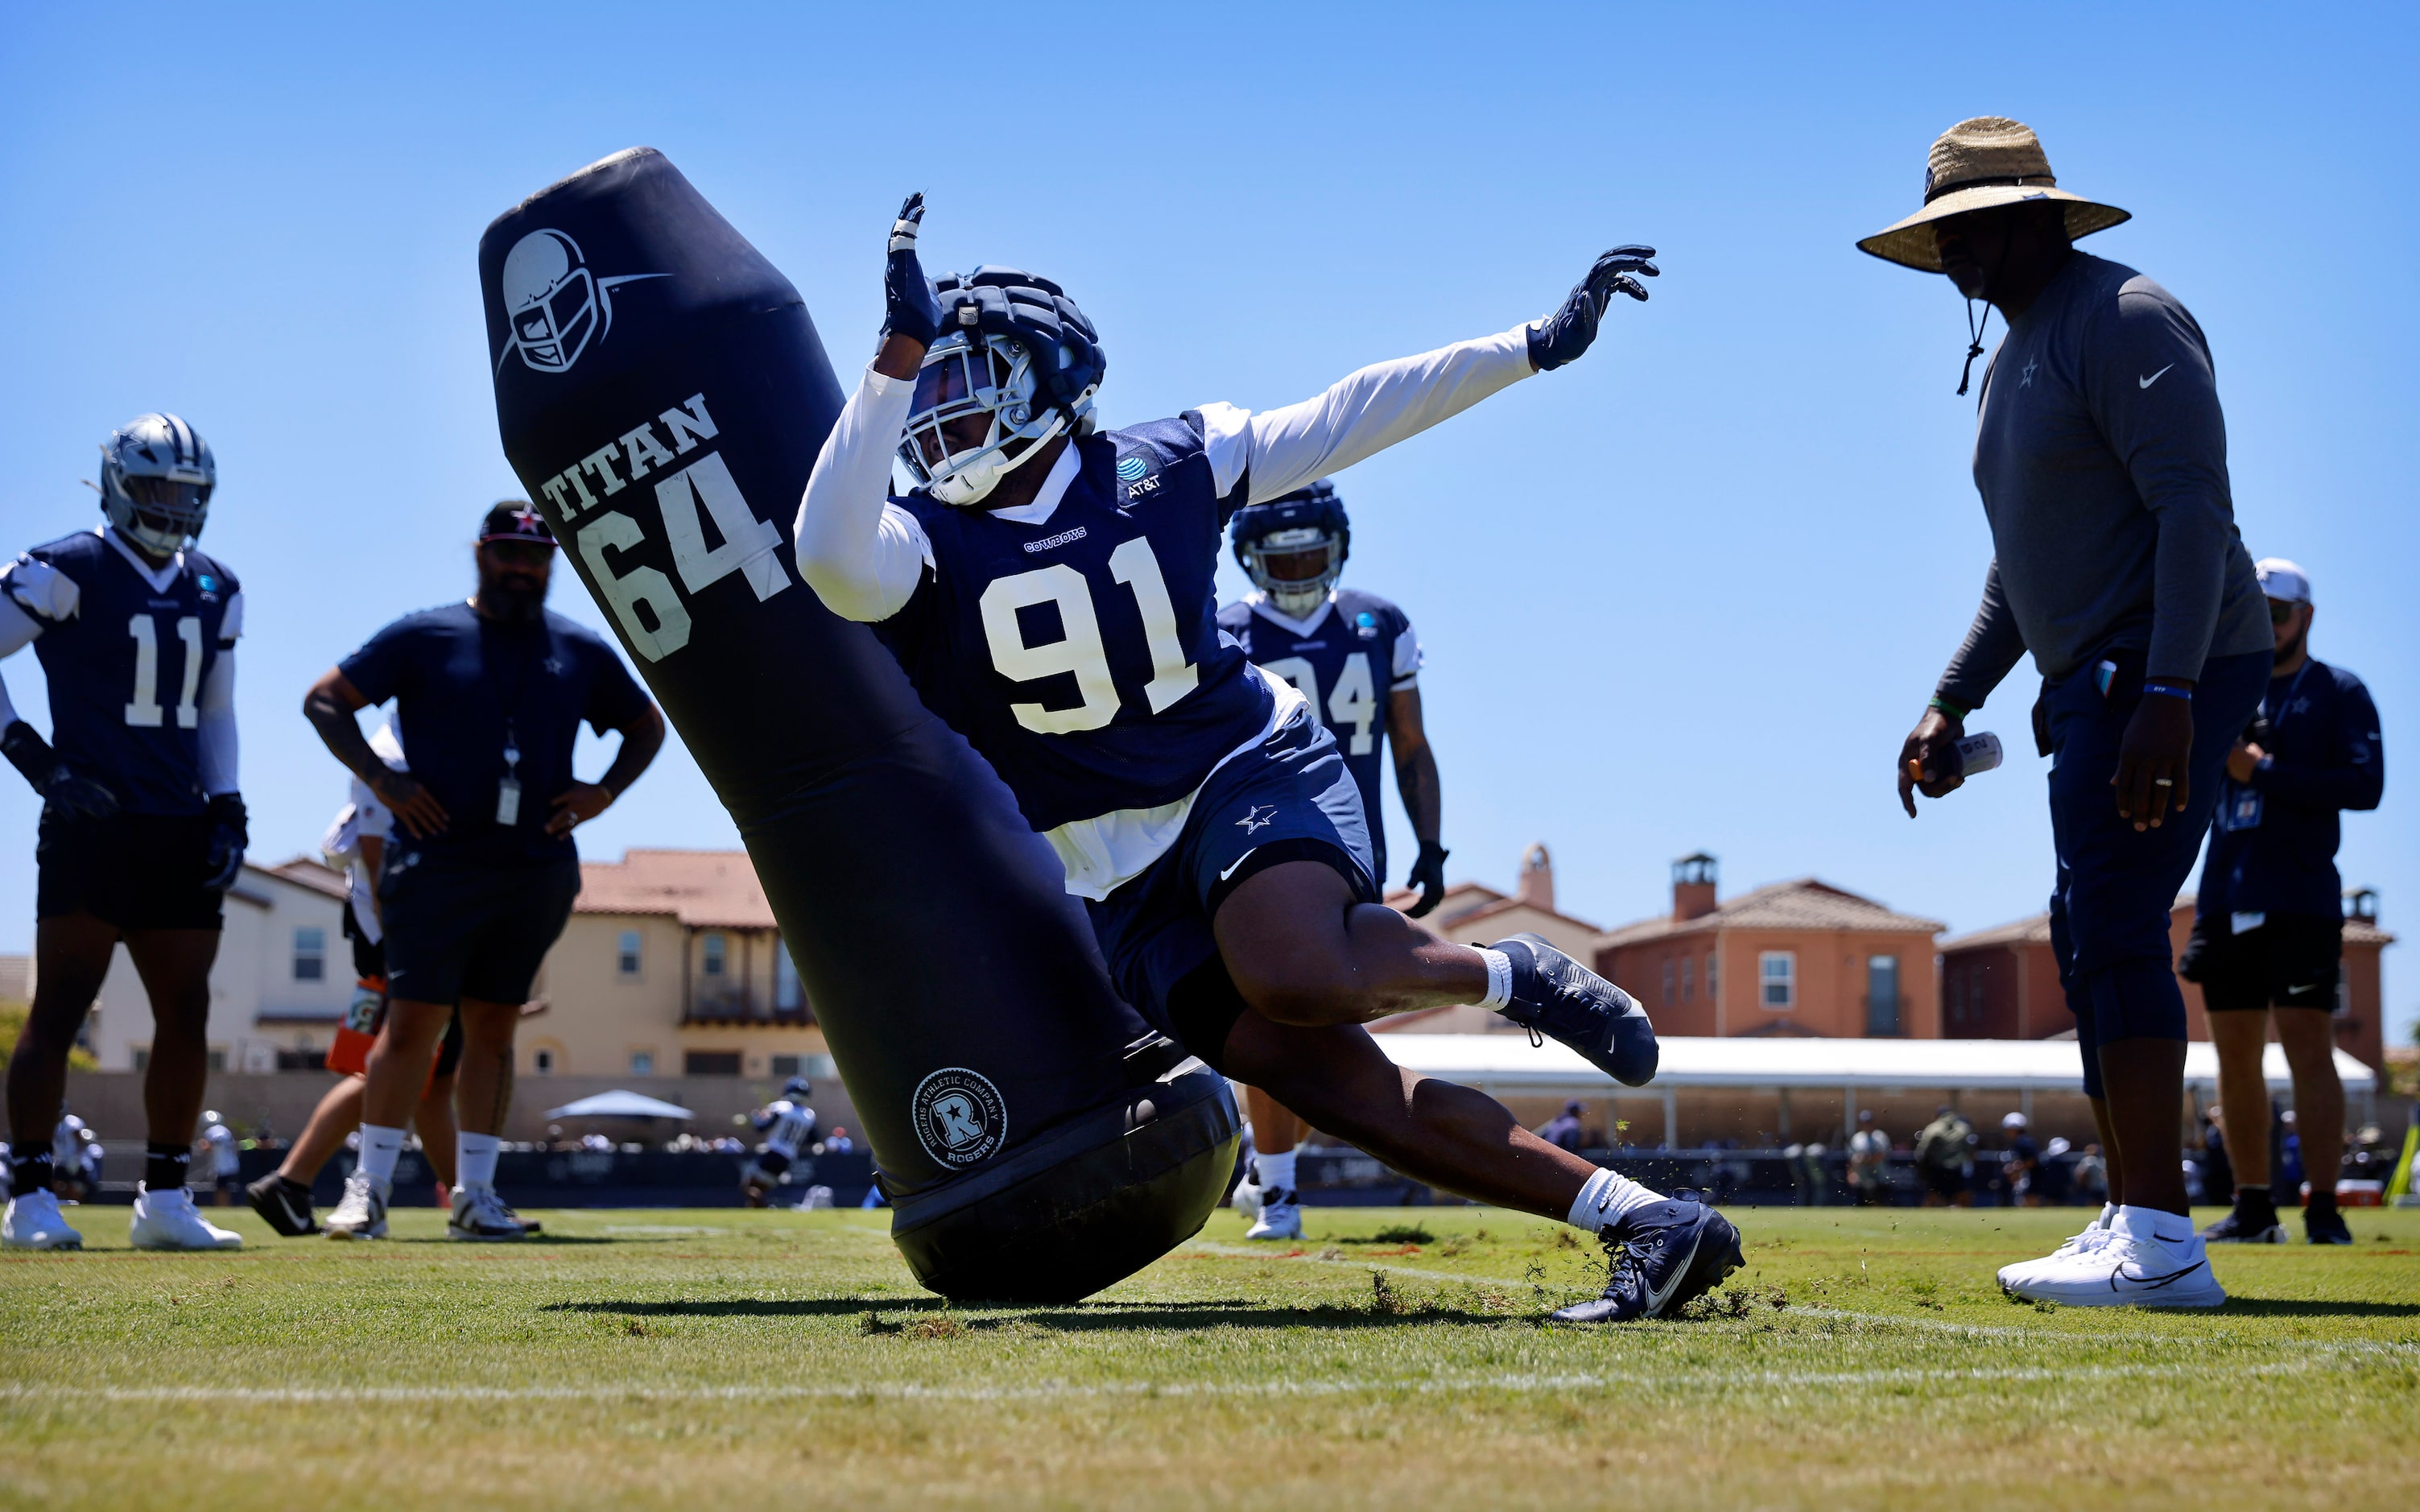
(2019,1162)
(1563,1130)
(489,696)
(2056,1176)
(840,1143)
(2268,940)
(2217,1168)
(1869,1161)
(2090,1181)
(226,1166)
(1945,1158)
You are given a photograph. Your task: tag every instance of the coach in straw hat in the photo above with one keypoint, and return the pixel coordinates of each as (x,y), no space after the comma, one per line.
(2101,454)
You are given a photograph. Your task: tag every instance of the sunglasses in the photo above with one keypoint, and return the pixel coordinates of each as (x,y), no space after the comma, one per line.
(2280,614)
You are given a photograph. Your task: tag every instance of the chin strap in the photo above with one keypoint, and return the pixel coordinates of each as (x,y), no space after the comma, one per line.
(1973,341)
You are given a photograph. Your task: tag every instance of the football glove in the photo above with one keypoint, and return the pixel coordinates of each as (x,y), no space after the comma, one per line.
(1428,875)
(1562,337)
(909,306)
(66,797)
(229,839)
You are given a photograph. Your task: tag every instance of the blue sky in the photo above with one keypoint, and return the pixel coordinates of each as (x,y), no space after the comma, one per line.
(1687,594)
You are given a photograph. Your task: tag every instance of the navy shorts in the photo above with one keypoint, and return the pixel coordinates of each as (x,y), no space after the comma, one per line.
(2291,960)
(455,930)
(2117,888)
(1291,800)
(136,871)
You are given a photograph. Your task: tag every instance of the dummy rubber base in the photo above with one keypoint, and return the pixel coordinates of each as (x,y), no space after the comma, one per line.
(1089,1204)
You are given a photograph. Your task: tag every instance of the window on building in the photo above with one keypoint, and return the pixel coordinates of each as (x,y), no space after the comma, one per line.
(542,1062)
(788,996)
(1882,994)
(216,1059)
(1667,979)
(1688,972)
(627,959)
(310,953)
(1710,976)
(785,1066)
(643,1063)
(139,1056)
(1779,972)
(713,955)
(710,1063)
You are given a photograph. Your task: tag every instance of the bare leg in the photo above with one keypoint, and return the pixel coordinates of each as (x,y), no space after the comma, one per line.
(2244,1094)
(2100,1120)
(339,1113)
(2309,1035)
(434,1118)
(1448,1136)
(71,955)
(398,1062)
(484,1087)
(1302,951)
(175,965)
(2146,1083)
(1275,1129)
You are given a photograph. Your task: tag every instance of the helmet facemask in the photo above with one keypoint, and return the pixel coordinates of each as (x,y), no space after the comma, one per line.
(156,479)
(1297,569)
(969,373)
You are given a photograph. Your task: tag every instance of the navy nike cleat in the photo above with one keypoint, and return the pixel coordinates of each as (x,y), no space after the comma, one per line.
(2324,1226)
(1556,996)
(1664,1256)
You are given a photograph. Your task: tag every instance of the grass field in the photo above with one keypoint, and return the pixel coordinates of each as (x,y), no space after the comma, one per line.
(715,1359)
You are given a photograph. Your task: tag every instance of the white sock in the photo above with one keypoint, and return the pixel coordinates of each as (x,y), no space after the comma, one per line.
(2152,1223)
(1607,1195)
(475,1159)
(1499,979)
(1275,1171)
(379,1149)
(2108,1215)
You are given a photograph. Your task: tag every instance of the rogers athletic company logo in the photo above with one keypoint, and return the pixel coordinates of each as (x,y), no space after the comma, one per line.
(554,305)
(959,1116)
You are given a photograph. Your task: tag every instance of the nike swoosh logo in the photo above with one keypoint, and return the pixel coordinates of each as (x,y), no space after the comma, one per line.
(1655,1300)
(1239,860)
(2151,1283)
(2147,383)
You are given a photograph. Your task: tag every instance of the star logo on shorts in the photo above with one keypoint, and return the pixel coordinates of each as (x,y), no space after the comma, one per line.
(1261,818)
(2030,365)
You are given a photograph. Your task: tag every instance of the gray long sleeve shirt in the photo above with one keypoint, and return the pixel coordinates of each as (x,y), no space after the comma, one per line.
(2100,454)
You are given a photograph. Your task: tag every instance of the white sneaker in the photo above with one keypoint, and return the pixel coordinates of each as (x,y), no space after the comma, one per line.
(481,1214)
(1281,1217)
(2136,1265)
(362,1215)
(2096,1234)
(1247,1199)
(33,1222)
(169,1221)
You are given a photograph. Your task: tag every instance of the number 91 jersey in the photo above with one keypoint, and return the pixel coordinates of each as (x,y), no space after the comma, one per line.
(1081,653)
(126,650)
(1353,651)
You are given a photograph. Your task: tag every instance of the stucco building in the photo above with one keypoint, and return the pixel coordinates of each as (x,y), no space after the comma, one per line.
(1794,958)
(1473,913)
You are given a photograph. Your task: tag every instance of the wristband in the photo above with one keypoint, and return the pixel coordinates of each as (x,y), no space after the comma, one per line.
(1945,706)
(2167,690)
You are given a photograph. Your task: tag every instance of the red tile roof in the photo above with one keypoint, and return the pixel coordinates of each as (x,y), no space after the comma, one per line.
(1802,904)
(703,889)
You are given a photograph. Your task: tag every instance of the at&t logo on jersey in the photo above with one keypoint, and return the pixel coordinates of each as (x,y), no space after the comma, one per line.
(554,305)
(1136,474)
(959,1116)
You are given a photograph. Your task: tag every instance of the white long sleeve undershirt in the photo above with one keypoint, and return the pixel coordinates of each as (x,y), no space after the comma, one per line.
(217,745)
(864,555)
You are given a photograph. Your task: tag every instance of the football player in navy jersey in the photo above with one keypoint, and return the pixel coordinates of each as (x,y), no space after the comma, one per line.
(1049,587)
(1353,657)
(142,827)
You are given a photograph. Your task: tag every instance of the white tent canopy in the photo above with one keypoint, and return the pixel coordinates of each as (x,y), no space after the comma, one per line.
(619,1104)
(1507,1064)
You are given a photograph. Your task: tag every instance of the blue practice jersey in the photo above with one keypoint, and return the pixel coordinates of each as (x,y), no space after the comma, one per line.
(1082,656)
(1346,658)
(125,650)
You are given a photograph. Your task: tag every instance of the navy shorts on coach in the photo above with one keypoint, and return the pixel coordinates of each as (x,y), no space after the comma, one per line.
(2116,890)
(456,929)
(1291,800)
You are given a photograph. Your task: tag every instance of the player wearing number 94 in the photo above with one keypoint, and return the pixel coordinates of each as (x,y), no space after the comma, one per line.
(142,828)
(1049,587)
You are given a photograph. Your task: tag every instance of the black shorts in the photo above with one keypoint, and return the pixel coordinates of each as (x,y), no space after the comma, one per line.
(137,871)
(455,931)
(2291,962)
(369,955)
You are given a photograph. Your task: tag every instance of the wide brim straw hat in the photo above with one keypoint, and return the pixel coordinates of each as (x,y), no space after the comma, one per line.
(1977,165)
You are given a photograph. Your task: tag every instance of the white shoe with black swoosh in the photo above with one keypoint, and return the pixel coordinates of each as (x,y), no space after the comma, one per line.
(2147,1259)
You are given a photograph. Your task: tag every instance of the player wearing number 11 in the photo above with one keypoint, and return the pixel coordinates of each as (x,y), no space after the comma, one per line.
(1051,588)
(142,829)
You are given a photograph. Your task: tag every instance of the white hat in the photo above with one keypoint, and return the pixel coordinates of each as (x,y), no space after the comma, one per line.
(2283,581)
(2014,1120)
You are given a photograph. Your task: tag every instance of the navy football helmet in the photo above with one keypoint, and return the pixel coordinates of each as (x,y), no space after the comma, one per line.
(1013,348)
(156,478)
(797,1089)
(1293,547)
